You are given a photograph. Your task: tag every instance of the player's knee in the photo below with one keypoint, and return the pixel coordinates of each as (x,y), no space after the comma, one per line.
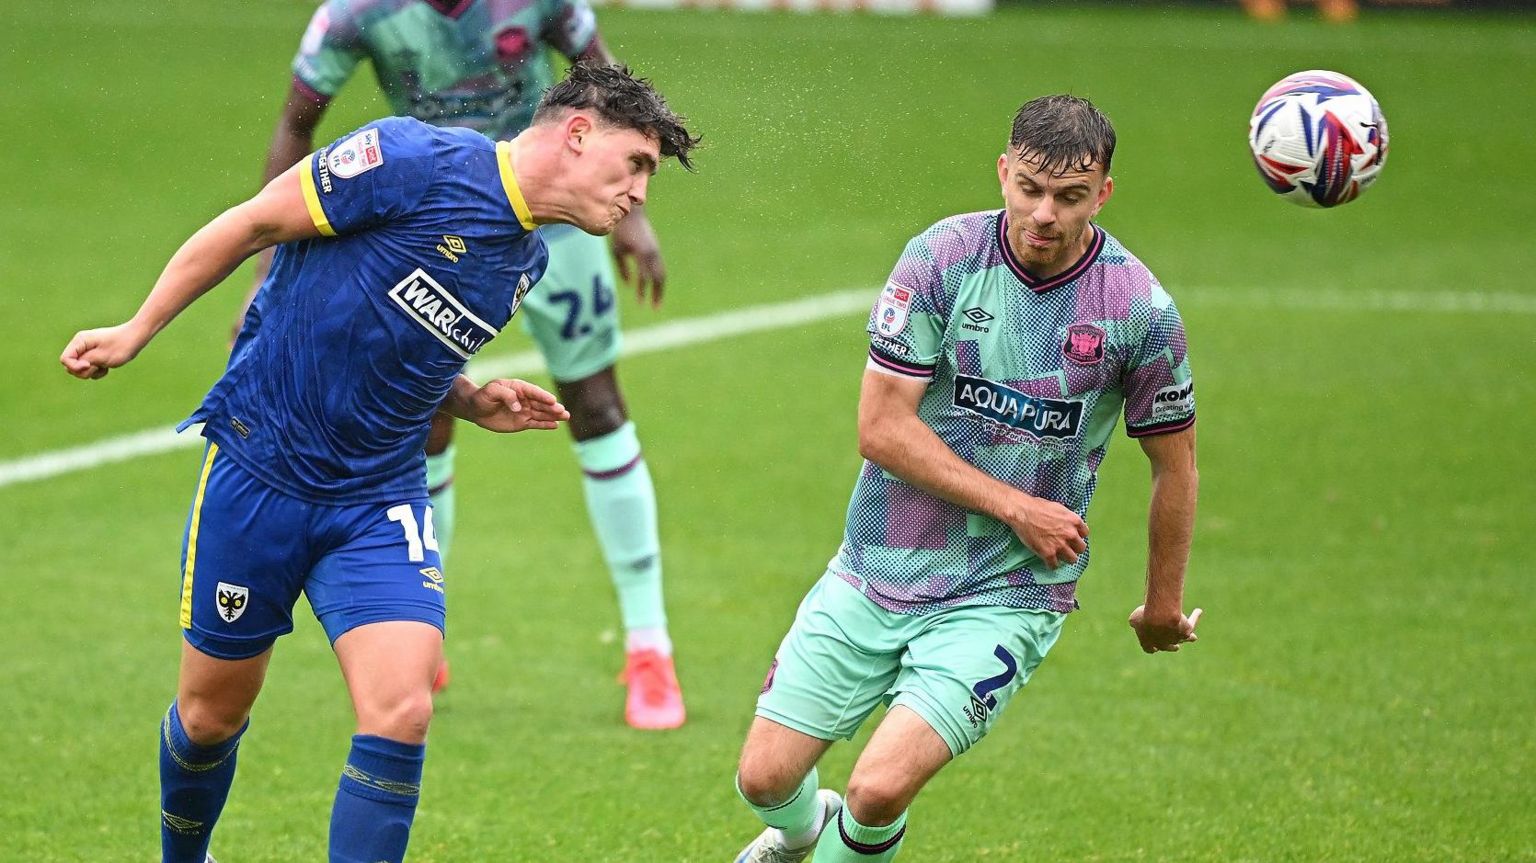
(596,418)
(763,785)
(877,799)
(208,724)
(405,718)
(596,406)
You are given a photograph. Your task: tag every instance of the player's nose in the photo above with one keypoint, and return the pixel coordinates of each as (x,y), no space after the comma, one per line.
(637,190)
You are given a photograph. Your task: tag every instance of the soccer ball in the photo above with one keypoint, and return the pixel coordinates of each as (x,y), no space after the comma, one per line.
(1318,138)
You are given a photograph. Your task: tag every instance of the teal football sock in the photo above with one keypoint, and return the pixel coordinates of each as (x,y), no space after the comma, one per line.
(622,504)
(795,817)
(848,841)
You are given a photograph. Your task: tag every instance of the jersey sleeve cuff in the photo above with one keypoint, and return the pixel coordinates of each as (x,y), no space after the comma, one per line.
(308,91)
(883,362)
(1161,428)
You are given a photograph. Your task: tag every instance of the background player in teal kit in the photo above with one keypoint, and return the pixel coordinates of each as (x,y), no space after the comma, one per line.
(1003,349)
(313,479)
(482,64)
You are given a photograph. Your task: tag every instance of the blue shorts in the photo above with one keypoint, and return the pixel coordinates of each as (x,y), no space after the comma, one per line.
(249,550)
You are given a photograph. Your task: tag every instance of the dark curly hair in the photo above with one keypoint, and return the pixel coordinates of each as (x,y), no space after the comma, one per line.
(1063,133)
(622,100)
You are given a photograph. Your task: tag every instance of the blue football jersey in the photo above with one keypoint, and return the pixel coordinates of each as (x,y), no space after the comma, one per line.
(356,336)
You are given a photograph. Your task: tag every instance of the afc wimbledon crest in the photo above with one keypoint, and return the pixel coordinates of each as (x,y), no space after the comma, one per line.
(1084,345)
(233,599)
(891,315)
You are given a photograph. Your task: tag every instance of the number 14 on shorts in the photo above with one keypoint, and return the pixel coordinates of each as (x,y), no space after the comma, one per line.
(416,539)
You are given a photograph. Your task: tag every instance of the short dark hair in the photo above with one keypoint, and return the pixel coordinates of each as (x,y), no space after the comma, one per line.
(1063,133)
(623,100)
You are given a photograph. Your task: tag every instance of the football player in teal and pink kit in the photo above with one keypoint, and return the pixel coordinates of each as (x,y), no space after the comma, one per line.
(482,65)
(313,480)
(1003,351)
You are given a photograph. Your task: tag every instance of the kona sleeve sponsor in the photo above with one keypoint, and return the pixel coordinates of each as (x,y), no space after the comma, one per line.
(1176,400)
(1040,417)
(437,310)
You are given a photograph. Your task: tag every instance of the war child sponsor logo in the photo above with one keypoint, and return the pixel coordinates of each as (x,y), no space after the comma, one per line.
(432,306)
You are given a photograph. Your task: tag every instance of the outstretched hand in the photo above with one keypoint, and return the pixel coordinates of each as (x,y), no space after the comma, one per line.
(1165,634)
(92,353)
(637,255)
(507,405)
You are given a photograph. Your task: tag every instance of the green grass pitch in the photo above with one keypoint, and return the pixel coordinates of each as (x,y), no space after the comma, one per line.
(1365,684)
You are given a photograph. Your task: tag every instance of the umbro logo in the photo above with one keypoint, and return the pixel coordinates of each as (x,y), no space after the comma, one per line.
(452,247)
(977,317)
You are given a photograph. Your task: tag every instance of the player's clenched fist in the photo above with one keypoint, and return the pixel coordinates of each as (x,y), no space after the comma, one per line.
(1164,632)
(91,353)
(1053,532)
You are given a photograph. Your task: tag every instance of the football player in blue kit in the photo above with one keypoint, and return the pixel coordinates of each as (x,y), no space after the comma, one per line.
(403,248)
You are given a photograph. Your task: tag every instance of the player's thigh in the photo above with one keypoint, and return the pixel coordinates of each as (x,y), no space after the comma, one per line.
(834,667)
(966,665)
(380,563)
(245,553)
(573,312)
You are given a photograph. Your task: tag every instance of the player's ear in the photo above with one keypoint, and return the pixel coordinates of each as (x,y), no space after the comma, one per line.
(1104,193)
(1002,170)
(578,128)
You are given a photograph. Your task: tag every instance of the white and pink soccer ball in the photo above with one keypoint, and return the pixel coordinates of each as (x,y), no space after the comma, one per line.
(1318,138)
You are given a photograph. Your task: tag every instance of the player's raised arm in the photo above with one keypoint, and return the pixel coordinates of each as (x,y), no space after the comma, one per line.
(1160,623)
(278,214)
(292,140)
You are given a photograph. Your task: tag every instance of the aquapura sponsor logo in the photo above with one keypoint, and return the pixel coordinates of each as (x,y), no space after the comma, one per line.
(432,306)
(1041,417)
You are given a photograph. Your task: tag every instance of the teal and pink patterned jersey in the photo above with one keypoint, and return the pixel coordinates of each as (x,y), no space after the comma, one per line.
(481,64)
(1027,380)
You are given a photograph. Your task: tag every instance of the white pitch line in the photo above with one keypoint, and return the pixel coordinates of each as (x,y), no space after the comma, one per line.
(689,331)
(773,316)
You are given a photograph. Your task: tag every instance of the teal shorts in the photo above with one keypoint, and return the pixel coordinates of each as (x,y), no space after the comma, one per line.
(573,312)
(956,668)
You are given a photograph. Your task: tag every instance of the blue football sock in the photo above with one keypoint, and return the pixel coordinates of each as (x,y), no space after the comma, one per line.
(194,783)
(376,800)
(622,504)
(440,488)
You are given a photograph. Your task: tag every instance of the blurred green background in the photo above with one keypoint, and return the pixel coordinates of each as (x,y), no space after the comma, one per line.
(1363,688)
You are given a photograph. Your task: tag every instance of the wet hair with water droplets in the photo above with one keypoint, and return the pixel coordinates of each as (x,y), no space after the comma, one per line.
(1062,133)
(622,100)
